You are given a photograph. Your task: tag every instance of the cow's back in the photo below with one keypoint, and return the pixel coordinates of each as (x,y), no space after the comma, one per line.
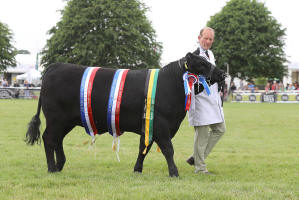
(61,96)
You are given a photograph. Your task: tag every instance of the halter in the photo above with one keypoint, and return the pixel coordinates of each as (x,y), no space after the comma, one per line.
(184,66)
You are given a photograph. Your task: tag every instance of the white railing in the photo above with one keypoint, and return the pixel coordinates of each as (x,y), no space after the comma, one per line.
(271,96)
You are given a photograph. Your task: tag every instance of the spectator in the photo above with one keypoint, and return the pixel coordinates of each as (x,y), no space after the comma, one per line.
(250,86)
(274,86)
(5,83)
(268,86)
(233,87)
(241,87)
(280,86)
(26,91)
(26,84)
(16,84)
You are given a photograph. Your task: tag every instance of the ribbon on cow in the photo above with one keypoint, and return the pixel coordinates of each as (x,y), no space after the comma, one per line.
(85,101)
(202,80)
(113,111)
(114,102)
(189,80)
(150,90)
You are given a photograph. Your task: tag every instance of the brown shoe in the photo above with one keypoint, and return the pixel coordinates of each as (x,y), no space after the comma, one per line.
(190,161)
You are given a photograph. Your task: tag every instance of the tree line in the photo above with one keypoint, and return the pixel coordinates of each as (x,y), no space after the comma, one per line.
(117,34)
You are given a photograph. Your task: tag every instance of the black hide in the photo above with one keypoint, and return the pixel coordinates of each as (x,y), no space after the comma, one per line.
(60,102)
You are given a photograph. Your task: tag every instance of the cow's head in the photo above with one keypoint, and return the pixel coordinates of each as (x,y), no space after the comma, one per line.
(199,65)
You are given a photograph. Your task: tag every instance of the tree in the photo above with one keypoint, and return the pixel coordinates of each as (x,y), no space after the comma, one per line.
(249,39)
(7,50)
(106,33)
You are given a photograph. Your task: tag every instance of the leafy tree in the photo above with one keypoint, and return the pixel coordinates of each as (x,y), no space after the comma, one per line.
(108,33)
(249,39)
(7,50)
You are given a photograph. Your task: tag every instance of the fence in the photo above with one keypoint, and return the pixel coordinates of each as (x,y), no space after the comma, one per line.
(260,96)
(19,92)
(241,96)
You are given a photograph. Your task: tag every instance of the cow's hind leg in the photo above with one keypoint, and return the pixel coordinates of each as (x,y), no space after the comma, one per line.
(49,150)
(60,156)
(53,142)
(167,150)
(139,162)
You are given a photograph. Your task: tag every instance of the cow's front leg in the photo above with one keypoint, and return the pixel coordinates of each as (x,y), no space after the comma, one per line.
(167,150)
(139,162)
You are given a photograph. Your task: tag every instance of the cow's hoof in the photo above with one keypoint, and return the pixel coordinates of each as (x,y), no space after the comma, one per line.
(59,167)
(174,173)
(52,170)
(137,170)
(174,176)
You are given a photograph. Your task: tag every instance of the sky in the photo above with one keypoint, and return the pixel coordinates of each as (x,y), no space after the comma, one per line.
(177,23)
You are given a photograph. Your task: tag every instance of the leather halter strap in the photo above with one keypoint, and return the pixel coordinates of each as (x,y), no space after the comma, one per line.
(183,64)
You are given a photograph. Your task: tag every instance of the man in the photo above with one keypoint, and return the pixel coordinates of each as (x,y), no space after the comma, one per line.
(206,113)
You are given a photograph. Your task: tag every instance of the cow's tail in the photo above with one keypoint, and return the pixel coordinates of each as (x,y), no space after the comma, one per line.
(33,132)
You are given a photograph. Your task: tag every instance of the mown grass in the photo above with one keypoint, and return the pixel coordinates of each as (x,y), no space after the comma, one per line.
(257,158)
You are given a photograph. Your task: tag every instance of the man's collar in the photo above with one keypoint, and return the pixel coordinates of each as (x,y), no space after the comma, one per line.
(202,49)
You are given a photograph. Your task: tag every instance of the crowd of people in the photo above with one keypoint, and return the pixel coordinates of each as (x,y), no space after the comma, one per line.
(5,83)
(278,86)
(270,86)
(292,86)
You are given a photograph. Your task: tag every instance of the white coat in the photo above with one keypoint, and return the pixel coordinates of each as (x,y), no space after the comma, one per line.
(204,109)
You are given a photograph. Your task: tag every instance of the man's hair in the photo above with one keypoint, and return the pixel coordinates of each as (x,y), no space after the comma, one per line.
(206,28)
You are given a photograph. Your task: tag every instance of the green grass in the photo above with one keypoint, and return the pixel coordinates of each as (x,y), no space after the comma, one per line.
(257,158)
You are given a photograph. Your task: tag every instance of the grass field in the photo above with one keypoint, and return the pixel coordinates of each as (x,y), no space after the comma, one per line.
(257,158)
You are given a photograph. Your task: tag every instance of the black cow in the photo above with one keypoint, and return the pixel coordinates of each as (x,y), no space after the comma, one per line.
(60,101)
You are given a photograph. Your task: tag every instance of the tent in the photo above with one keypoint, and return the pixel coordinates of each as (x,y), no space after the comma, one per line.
(32,76)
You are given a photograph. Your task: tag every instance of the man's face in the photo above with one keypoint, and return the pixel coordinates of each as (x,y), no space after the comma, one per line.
(206,39)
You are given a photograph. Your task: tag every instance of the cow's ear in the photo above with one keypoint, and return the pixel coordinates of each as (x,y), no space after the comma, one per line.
(189,55)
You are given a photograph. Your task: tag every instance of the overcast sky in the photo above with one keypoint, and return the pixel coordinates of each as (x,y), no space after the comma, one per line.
(177,23)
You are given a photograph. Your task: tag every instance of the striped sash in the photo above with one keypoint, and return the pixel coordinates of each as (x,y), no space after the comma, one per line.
(85,100)
(113,111)
(150,90)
